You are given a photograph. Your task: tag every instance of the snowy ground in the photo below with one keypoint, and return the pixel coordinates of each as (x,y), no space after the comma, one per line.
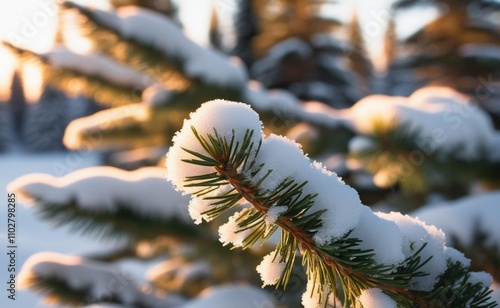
(34,235)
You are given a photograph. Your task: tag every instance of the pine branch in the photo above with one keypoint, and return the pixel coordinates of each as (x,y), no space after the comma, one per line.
(72,281)
(110,203)
(95,76)
(170,60)
(394,148)
(121,224)
(225,157)
(332,260)
(123,127)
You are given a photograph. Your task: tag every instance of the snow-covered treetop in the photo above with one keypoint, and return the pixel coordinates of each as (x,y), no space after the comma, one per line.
(221,145)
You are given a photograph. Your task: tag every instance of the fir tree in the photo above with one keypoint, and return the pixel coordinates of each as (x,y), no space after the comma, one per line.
(46,121)
(358,59)
(17,104)
(6,129)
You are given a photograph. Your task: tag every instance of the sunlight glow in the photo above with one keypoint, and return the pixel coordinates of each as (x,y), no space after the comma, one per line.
(31,73)
(7,66)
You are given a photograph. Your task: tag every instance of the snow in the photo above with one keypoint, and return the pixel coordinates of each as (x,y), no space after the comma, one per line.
(291,46)
(90,277)
(231,233)
(375,298)
(315,296)
(99,66)
(231,296)
(495,295)
(460,218)
(381,235)
(287,107)
(184,273)
(157,95)
(102,122)
(274,213)
(359,144)
(415,234)
(480,51)
(105,189)
(198,206)
(152,29)
(455,256)
(283,157)
(271,268)
(445,120)
(33,234)
(480,277)
(340,200)
(223,115)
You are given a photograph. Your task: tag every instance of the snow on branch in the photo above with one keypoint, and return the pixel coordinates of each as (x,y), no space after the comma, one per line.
(70,280)
(460,219)
(232,296)
(99,66)
(159,33)
(222,145)
(94,75)
(480,51)
(404,139)
(443,119)
(110,201)
(112,128)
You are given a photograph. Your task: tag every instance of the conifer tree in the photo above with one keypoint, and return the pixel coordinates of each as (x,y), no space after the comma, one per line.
(358,59)
(45,121)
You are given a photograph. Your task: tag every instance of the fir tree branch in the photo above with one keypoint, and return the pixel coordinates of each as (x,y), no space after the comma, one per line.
(338,264)
(72,281)
(74,80)
(172,69)
(398,157)
(121,224)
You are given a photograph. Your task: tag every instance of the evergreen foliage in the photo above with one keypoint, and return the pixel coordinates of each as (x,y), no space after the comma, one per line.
(340,266)
(46,121)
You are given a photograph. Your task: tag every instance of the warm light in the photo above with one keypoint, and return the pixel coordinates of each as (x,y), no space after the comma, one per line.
(7,66)
(73,36)
(32,81)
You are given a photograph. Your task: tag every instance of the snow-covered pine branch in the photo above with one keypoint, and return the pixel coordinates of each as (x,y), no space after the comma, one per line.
(459,218)
(471,225)
(71,280)
(96,76)
(221,158)
(74,281)
(155,43)
(408,140)
(110,202)
(122,127)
